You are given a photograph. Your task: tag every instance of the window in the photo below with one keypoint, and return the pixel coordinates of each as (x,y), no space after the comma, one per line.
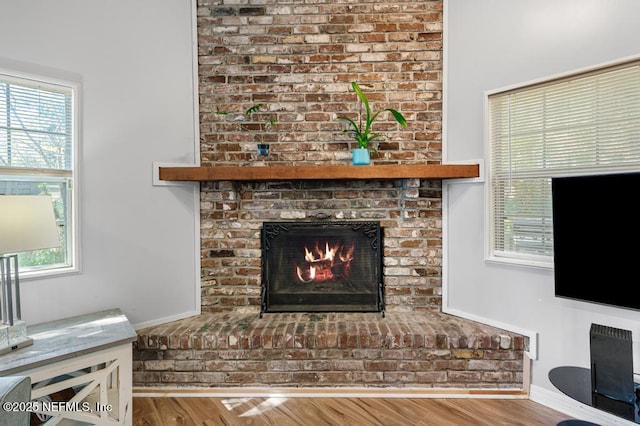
(580,124)
(37,152)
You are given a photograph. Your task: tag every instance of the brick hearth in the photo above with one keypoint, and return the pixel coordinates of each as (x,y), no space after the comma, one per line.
(430,350)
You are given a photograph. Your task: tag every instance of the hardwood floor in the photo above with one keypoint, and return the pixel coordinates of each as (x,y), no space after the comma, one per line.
(308,411)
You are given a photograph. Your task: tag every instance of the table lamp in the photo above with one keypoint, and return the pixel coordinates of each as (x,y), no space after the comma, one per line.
(27,222)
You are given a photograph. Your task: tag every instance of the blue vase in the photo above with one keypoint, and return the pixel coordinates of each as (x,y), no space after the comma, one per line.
(360,157)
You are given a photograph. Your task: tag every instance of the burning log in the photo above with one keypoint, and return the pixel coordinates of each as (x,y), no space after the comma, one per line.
(330,263)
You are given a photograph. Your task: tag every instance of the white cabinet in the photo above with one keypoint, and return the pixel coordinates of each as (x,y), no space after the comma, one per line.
(80,369)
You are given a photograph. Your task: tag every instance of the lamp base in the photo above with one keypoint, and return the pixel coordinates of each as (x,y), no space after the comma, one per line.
(13,337)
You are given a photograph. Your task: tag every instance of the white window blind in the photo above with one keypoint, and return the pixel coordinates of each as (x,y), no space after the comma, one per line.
(35,124)
(583,124)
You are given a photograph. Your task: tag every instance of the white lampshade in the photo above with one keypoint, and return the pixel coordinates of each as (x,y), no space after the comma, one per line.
(27,222)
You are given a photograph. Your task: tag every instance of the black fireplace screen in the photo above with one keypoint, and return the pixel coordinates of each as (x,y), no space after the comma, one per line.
(322,267)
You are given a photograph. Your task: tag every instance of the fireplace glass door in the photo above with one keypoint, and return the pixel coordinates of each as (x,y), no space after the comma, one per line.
(322,267)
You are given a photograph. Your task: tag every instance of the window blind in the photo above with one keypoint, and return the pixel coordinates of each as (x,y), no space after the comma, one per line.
(583,124)
(35,125)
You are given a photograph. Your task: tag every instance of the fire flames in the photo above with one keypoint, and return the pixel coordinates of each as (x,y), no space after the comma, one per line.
(334,261)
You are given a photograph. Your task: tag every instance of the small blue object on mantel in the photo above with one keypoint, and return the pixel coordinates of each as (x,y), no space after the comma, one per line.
(263,149)
(360,157)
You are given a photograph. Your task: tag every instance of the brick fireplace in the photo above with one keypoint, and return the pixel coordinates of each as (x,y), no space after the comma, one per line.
(414,345)
(299,60)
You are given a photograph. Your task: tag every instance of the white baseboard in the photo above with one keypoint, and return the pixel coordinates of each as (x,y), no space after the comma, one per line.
(564,404)
(328,392)
(164,320)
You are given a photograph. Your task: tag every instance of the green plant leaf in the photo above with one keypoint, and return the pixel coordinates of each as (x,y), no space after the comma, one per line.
(362,96)
(398,116)
(362,132)
(355,129)
(270,122)
(252,109)
(264,125)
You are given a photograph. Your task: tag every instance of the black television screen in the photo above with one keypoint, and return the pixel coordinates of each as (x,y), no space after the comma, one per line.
(596,238)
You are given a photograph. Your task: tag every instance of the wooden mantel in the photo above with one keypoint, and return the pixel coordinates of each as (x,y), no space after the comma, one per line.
(333,171)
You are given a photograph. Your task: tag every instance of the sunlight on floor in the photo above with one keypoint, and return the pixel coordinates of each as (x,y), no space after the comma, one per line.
(264,406)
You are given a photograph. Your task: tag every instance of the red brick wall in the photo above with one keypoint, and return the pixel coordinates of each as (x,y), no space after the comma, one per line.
(298,60)
(425,350)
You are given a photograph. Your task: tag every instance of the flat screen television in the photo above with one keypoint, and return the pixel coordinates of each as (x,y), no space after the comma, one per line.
(596,238)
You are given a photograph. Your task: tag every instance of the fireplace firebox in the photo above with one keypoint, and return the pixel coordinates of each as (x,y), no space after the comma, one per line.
(322,267)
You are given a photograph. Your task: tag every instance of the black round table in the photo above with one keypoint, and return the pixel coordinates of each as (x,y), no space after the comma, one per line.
(575,382)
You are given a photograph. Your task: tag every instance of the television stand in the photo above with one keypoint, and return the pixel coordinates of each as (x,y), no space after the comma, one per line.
(575,382)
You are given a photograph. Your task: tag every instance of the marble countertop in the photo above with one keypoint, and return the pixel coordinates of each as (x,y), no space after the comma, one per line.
(68,338)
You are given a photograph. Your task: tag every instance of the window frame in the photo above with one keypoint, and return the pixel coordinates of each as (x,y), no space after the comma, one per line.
(73,239)
(529,260)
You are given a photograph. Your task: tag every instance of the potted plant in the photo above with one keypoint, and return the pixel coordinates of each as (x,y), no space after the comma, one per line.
(363,132)
(263,148)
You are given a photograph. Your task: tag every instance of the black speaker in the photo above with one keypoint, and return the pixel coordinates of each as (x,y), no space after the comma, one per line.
(612,384)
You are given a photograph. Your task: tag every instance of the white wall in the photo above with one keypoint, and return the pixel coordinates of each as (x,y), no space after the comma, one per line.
(491,44)
(134,60)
